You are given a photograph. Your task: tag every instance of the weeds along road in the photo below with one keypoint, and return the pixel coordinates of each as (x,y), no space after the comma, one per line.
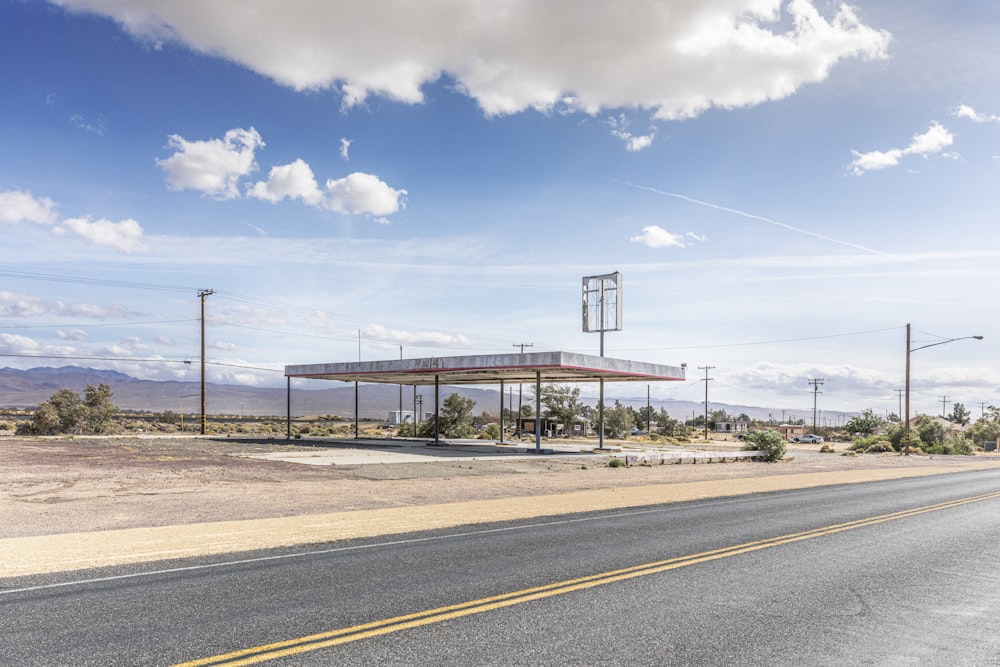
(897,572)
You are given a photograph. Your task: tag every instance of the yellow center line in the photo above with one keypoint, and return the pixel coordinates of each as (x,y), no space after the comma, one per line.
(314,642)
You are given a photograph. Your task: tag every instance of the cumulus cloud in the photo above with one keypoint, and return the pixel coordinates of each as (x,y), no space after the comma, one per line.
(655,236)
(345,148)
(357,193)
(96,127)
(391,338)
(633,143)
(17,206)
(125,236)
(22,345)
(72,334)
(213,167)
(293,181)
(21,305)
(13,304)
(363,193)
(676,59)
(967,112)
(934,140)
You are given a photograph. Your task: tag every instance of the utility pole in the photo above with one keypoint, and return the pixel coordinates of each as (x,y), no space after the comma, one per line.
(201,295)
(706,380)
(982,410)
(899,395)
(944,407)
(520,388)
(816,384)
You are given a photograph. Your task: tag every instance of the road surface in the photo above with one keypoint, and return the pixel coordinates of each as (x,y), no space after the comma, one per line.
(891,573)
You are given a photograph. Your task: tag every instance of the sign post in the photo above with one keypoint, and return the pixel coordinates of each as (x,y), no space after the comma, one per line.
(602,311)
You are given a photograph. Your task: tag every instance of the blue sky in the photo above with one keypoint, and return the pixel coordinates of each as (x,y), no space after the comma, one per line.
(783,186)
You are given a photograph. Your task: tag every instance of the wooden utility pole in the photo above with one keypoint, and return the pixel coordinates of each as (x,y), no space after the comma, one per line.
(201,295)
(816,384)
(706,380)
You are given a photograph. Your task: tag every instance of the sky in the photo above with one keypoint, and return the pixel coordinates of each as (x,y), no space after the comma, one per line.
(782,185)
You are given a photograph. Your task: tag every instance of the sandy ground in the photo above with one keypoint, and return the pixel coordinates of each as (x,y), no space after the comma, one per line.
(85,502)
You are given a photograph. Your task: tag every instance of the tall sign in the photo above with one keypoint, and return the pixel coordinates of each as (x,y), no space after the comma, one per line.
(602,311)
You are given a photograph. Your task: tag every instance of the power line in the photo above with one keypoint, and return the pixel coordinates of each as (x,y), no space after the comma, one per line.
(78,280)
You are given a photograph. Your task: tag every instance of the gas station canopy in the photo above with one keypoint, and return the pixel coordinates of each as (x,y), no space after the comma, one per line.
(490,369)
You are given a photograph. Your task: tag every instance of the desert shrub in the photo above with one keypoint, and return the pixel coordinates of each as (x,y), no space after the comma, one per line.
(868,442)
(615,462)
(826,449)
(768,441)
(957,445)
(492,431)
(879,447)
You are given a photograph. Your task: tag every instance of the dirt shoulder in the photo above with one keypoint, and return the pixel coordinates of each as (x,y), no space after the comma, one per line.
(108,501)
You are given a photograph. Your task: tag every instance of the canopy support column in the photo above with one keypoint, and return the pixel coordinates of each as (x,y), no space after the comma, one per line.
(538,411)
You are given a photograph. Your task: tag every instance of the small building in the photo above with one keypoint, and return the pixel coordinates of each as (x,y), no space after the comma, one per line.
(789,431)
(734,427)
(550,427)
(397,417)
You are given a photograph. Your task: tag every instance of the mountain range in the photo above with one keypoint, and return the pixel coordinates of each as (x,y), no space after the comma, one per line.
(25,389)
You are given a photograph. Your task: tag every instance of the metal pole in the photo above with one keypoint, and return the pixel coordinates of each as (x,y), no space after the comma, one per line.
(437,410)
(399,415)
(906,419)
(501,412)
(357,431)
(288,409)
(538,411)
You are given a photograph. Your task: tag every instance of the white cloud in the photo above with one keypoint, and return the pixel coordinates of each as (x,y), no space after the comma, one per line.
(87,310)
(21,305)
(97,127)
(934,140)
(294,181)
(212,167)
(676,59)
(223,345)
(17,344)
(655,236)
(22,206)
(361,193)
(125,236)
(964,111)
(387,338)
(72,334)
(345,148)
(633,143)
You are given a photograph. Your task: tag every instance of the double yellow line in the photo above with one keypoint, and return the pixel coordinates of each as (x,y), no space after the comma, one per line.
(321,640)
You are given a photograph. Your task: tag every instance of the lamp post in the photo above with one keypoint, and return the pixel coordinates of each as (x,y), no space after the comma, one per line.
(906,419)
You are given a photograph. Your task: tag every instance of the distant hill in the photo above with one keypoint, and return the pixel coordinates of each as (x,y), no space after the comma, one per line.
(27,388)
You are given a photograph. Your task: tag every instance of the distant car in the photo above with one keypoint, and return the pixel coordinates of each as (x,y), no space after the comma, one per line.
(808,437)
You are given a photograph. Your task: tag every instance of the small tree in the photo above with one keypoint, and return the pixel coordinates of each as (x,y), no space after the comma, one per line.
(66,412)
(562,403)
(865,423)
(768,441)
(98,408)
(618,420)
(959,415)
(456,417)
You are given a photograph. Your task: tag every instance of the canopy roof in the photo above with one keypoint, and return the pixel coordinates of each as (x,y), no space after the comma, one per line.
(490,369)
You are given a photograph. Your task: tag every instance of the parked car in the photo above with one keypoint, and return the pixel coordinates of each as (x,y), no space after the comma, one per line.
(808,437)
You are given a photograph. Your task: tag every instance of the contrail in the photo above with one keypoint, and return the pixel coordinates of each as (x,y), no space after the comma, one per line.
(769,221)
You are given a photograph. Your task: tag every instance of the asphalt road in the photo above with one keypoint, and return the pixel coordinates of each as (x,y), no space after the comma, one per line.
(891,573)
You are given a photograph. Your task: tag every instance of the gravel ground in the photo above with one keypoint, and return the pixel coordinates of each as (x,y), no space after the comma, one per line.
(58,486)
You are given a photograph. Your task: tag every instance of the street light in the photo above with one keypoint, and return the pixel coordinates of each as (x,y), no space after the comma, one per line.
(906,420)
